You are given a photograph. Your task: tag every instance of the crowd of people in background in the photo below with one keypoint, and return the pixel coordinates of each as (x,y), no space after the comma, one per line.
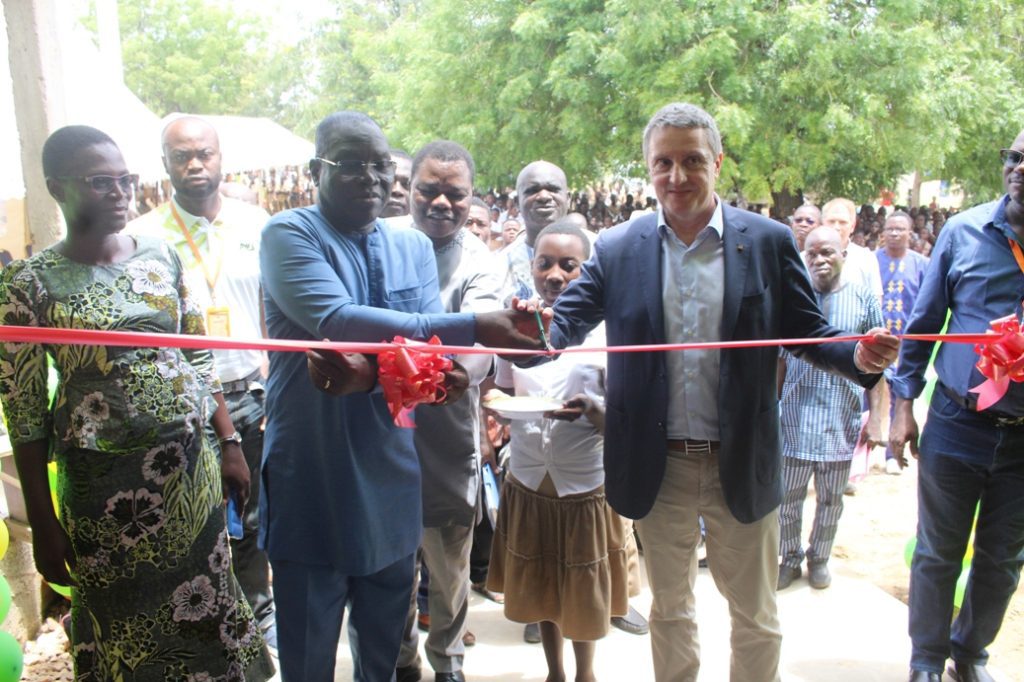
(925,228)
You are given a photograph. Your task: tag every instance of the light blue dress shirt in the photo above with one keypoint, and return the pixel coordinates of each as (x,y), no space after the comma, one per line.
(692,287)
(341,481)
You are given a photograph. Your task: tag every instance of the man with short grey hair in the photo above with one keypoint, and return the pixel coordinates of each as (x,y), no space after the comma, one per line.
(695,434)
(861,266)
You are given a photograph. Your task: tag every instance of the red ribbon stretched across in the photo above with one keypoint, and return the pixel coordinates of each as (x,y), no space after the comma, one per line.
(1002,360)
(409,378)
(96,337)
(434,349)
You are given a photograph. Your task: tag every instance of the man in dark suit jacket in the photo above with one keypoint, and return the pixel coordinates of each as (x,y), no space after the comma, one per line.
(694,434)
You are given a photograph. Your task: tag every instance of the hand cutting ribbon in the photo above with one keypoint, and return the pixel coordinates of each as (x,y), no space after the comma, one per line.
(1002,360)
(409,378)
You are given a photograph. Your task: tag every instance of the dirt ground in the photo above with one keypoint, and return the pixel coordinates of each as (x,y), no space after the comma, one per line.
(875,527)
(876,524)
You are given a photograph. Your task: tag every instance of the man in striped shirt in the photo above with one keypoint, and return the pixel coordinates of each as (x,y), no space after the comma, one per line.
(820,417)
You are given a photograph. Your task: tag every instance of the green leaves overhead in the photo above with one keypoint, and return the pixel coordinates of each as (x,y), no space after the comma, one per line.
(836,97)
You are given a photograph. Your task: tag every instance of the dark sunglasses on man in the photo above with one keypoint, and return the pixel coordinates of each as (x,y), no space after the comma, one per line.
(1011,157)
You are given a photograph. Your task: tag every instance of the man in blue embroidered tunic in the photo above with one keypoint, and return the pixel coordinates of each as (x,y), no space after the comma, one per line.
(340,516)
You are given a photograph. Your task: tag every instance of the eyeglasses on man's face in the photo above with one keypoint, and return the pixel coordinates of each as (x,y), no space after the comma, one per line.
(103,184)
(1011,157)
(180,157)
(351,168)
(804,221)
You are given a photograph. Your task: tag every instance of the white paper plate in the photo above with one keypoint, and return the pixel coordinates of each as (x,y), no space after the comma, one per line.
(523,406)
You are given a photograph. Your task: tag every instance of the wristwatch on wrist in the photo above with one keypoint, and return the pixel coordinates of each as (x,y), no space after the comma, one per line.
(235,438)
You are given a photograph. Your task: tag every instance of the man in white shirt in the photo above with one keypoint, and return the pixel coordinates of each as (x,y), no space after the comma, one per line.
(861,265)
(218,239)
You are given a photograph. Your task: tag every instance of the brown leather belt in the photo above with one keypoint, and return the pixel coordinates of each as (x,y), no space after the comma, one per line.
(694,447)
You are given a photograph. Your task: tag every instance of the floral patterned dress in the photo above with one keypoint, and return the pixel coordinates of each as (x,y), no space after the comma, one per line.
(140,487)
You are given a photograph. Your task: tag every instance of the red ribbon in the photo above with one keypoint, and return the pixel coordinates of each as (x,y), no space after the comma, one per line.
(1005,364)
(408,376)
(1002,360)
(96,337)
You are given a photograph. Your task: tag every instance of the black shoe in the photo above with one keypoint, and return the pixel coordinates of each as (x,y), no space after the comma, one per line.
(408,673)
(787,574)
(818,575)
(531,633)
(969,672)
(632,622)
(924,676)
(453,676)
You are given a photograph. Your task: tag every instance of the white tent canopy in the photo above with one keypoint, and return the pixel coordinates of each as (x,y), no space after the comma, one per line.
(98,98)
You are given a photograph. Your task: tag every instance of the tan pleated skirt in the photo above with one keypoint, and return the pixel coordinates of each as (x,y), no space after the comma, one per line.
(560,559)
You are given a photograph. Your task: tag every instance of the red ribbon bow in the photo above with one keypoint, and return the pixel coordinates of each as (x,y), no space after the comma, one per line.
(409,378)
(1002,360)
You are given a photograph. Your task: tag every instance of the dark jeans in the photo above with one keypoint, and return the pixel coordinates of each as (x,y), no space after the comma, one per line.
(250,562)
(949,490)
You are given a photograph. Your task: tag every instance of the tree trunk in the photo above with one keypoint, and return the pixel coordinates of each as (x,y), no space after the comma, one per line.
(784,203)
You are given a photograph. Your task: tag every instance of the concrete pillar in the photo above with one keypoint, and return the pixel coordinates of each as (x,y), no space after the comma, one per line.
(37,75)
(23,620)
(39,109)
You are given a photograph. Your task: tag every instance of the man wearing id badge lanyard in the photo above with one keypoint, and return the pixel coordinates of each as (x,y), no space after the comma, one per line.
(217,239)
(970,468)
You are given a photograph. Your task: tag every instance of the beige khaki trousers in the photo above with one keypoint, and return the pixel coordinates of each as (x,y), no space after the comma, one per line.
(742,557)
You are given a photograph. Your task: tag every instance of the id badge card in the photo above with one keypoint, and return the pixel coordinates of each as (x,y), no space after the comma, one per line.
(218,321)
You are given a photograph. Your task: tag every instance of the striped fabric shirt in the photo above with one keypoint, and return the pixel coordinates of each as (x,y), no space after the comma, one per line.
(821,411)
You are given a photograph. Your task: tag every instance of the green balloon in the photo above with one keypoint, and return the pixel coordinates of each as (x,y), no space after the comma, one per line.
(11,658)
(961,587)
(908,551)
(5,598)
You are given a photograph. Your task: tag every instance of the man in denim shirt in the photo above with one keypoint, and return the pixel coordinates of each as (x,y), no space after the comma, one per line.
(968,459)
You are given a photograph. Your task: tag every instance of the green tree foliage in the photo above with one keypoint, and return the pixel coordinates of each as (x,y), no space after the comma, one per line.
(196,56)
(829,96)
(338,61)
(834,97)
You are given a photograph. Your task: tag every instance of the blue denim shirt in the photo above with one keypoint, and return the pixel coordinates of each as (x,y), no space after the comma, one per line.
(974,276)
(341,481)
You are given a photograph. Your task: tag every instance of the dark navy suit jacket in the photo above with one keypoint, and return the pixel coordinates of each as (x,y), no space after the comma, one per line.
(767,295)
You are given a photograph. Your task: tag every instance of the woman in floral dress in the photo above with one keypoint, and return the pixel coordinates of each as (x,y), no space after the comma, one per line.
(141,525)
